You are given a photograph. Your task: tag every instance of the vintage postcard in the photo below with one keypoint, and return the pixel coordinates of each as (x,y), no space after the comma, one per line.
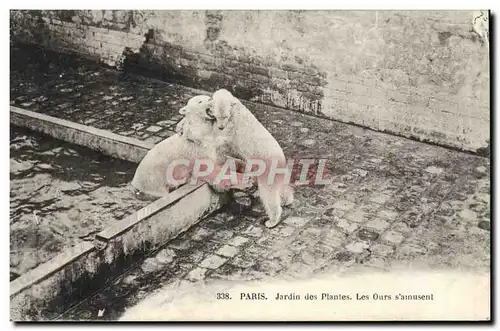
(258,165)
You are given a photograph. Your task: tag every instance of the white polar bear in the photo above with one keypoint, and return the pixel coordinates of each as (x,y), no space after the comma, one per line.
(248,139)
(194,140)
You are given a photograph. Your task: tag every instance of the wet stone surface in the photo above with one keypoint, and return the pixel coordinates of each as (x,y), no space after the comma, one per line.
(61,194)
(391,200)
(365,234)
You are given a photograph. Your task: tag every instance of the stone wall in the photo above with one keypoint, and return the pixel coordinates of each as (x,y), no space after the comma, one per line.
(421,74)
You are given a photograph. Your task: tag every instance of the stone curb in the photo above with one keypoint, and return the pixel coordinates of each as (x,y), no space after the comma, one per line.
(106,142)
(53,287)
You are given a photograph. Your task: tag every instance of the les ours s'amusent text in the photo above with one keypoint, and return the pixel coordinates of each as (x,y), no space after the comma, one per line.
(328,296)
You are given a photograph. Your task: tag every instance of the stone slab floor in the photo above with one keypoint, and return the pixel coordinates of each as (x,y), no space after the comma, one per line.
(391,201)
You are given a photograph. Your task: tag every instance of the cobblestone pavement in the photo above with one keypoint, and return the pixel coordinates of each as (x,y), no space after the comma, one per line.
(391,201)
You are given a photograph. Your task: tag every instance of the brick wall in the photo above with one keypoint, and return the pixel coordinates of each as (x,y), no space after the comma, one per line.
(420,74)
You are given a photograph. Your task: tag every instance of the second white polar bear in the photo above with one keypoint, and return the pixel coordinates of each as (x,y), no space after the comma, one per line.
(249,140)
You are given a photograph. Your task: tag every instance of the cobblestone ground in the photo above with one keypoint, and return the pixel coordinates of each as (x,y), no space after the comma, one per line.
(391,201)
(70,88)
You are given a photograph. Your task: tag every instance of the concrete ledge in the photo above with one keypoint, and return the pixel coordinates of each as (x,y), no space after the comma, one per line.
(50,267)
(150,210)
(53,287)
(99,140)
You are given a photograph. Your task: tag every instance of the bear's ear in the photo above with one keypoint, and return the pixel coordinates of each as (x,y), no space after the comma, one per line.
(183,110)
(209,113)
